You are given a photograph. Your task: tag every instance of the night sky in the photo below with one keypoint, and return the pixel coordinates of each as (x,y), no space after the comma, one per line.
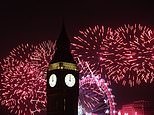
(36,21)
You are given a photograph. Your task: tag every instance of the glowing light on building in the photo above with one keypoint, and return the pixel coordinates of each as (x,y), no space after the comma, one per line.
(140,107)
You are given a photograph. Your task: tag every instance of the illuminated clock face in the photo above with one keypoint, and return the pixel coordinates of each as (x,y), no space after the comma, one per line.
(70,80)
(52,80)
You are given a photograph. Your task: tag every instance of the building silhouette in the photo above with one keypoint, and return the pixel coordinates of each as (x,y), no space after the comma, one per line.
(62,79)
(140,107)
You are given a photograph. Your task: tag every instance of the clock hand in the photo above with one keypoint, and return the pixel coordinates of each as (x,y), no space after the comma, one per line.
(70,78)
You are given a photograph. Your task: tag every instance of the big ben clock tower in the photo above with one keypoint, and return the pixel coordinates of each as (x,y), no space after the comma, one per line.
(62,80)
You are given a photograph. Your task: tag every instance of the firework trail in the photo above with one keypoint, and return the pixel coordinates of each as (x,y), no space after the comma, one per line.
(124,55)
(23,78)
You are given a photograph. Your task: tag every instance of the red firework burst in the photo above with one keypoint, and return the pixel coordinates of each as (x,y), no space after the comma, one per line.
(124,55)
(91,46)
(23,82)
(133,55)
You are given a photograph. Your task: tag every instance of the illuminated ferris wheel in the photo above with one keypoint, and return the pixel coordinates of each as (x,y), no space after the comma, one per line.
(95,98)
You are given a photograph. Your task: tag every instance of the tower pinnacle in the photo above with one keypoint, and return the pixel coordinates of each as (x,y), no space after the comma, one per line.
(63,42)
(63,52)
